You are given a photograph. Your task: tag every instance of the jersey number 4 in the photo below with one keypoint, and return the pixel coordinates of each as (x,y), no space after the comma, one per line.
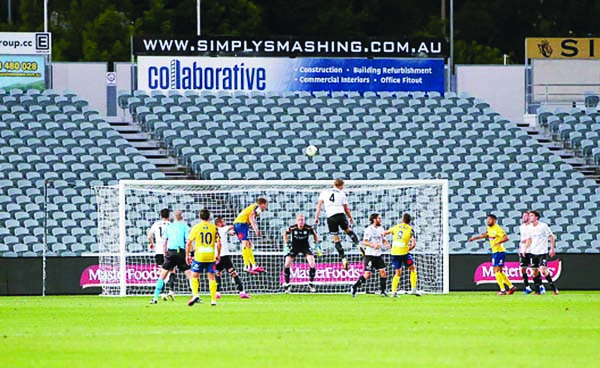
(332,198)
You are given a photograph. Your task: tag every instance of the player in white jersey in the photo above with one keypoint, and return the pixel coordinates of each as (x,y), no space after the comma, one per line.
(525,258)
(225,263)
(156,241)
(338,216)
(538,236)
(374,240)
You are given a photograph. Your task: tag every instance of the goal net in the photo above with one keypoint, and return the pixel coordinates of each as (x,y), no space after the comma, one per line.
(127,211)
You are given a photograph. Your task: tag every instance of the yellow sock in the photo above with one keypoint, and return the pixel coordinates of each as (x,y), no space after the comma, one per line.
(245,256)
(395,282)
(500,280)
(506,280)
(212,286)
(251,257)
(413,280)
(195,286)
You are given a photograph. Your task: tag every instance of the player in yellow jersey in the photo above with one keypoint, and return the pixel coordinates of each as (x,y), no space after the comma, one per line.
(497,238)
(206,238)
(403,242)
(241,226)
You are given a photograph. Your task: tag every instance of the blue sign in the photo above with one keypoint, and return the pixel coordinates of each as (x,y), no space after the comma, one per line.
(285,74)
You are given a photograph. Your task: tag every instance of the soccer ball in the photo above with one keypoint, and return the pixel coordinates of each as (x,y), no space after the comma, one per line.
(311,150)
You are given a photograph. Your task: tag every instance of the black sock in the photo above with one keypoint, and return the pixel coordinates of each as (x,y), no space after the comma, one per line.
(382,283)
(218,279)
(537,281)
(361,280)
(353,236)
(340,249)
(311,273)
(550,282)
(525,279)
(287,273)
(171,282)
(238,282)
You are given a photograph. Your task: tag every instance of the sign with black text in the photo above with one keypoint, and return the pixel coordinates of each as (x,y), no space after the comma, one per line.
(562,48)
(25,43)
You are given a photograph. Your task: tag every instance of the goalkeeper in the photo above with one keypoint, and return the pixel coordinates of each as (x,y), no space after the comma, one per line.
(296,237)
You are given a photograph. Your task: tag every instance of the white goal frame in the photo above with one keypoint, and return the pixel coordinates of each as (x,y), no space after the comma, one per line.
(124,184)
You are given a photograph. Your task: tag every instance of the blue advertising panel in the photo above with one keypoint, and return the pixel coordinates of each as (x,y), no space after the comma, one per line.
(22,71)
(285,74)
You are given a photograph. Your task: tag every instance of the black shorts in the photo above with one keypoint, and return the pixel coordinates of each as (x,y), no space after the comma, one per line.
(302,249)
(539,260)
(159,259)
(374,263)
(337,222)
(526,260)
(224,264)
(176,259)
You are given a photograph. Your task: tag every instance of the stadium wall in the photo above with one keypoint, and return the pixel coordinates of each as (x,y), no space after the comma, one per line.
(23,276)
(87,79)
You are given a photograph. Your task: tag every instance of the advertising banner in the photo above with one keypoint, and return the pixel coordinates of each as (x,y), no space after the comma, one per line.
(285,74)
(145,274)
(25,43)
(327,273)
(562,48)
(290,46)
(484,274)
(22,71)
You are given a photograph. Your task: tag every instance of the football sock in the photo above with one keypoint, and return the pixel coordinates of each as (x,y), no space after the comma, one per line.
(212,286)
(311,274)
(395,282)
(287,273)
(506,280)
(195,286)
(537,281)
(359,282)
(218,280)
(500,280)
(171,282)
(245,256)
(353,236)
(525,279)
(251,257)
(413,280)
(159,285)
(550,282)
(382,284)
(238,282)
(339,248)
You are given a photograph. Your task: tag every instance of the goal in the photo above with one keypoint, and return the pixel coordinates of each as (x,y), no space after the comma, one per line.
(127,210)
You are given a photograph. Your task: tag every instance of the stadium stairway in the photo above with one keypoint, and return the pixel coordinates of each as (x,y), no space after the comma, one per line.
(152,150)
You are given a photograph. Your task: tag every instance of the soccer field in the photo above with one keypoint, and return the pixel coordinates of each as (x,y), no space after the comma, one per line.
(460,329)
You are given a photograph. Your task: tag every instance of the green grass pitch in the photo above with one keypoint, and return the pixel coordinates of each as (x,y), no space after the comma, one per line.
(319,331)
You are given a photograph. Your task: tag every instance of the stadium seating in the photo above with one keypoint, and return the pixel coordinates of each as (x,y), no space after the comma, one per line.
(492,164)
(57,137)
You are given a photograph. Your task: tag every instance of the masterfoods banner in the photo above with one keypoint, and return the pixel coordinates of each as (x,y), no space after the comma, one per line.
(484,274)
(25,43)
(327,273)
(24,72)
(286,74)
(290,46)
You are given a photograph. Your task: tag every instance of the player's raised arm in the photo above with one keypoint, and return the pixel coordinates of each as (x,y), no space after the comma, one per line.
(318,211)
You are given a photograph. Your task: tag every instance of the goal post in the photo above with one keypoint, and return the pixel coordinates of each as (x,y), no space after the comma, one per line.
(127,210)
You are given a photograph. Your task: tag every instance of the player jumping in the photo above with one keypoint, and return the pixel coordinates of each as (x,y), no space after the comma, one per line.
(336,208)
(206,236)
(225,263)
(156,241)
(241,226)
(538,235)
(374,240)
(497,237)
(175,235)
(525,258)
(403,241)
(300,232)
